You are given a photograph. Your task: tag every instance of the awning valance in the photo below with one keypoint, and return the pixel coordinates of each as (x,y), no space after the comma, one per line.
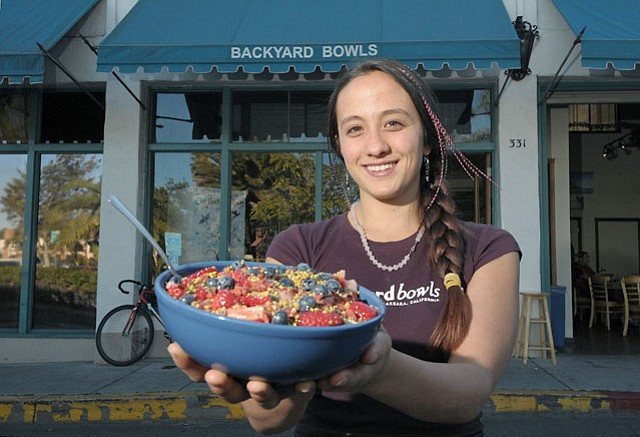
(612,34)
(307,34)
(23,23)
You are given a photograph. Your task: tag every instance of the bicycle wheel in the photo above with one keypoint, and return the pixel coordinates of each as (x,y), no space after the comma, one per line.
(119,347)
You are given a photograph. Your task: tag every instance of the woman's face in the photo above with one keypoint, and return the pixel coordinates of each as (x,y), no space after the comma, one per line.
(381,138)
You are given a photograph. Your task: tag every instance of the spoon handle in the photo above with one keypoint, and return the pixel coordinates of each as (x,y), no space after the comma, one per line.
(123,209)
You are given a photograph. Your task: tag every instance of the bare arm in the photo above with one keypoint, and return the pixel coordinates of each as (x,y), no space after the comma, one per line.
(453,391)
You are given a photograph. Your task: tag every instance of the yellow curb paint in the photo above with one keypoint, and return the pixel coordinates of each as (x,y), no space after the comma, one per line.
(503,403)
(582,404)
(79,410)
(5,412)
(151,409)
(31,411)
(235,410)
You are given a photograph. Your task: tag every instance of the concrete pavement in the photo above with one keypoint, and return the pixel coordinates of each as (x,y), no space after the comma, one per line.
(154,389)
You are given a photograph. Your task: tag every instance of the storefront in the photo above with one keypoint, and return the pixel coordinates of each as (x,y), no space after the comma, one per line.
(214,124)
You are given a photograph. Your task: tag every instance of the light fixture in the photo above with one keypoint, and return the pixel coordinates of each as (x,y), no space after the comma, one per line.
(527,33)
(624,143)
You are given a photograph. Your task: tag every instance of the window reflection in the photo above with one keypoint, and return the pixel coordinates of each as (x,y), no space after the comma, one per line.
(14,118)
(67,241)
(466,114)
(279,116)
(188,117)
(69,117)
(186,208)
(12,204)
(472,196)
(279,190)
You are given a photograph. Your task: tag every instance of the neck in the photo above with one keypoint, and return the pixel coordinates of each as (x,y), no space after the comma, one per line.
(384,222)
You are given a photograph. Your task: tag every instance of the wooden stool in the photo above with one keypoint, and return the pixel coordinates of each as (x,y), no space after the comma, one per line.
(544,320)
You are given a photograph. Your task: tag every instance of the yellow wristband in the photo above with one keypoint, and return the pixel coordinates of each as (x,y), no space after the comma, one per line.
(452,280)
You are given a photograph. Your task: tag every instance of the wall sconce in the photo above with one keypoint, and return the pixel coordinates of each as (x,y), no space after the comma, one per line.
(527,33)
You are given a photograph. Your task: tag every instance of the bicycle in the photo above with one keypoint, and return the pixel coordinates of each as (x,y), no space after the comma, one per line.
(125,334)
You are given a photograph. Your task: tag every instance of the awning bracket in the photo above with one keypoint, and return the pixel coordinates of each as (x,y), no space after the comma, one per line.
(94,49)
(551,88)
(65,71)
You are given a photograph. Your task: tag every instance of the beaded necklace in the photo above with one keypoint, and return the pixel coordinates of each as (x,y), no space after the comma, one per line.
(367,248)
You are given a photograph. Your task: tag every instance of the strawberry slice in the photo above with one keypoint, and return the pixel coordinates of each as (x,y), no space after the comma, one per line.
(252,300)
(224,299)
(318,318)
(362,311)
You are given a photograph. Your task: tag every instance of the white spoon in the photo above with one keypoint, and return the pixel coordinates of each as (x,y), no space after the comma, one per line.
(123,209)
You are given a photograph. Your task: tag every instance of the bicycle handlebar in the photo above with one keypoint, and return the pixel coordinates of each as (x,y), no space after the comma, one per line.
(140,285)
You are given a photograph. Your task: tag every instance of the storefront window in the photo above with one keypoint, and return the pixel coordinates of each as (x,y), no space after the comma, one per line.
(14,118)
(186,208)
(472,196)
(187,117)
(277,190)
(12,204)
(466,114)
(67,241)
(72,117)
(279,116)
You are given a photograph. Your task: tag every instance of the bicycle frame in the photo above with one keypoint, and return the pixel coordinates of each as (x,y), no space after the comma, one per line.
(145,300)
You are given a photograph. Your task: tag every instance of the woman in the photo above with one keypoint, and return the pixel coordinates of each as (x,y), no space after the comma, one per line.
(443,347)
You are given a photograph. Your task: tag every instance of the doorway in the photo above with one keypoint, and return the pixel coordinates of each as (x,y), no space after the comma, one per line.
(594,199)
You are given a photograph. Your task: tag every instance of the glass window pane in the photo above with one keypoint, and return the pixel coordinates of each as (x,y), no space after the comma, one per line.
(186,207)
(472,196)
(12,204)
(67,241)
(72,117)
(308,115)
(466,114)
(338,191)
(188,117)
(260,116)
(14,118)
(278,190)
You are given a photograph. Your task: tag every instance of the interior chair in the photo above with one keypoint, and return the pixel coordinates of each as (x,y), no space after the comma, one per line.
(582,304)
(631,292)
(603,305)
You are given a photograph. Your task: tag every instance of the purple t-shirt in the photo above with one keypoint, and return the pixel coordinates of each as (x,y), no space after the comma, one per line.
(414,297)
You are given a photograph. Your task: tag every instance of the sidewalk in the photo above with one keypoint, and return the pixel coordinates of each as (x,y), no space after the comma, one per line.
(154,389)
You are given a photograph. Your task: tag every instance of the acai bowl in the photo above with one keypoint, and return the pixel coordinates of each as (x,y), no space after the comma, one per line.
(221,329)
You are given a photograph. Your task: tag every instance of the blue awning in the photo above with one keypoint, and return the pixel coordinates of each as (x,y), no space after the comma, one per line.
(612,34)
(23,23)
(306,34)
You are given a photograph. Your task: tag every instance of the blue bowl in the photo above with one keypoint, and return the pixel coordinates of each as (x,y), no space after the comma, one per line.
(279,354)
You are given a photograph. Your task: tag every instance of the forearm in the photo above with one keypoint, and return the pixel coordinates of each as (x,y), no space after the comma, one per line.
(282,417)
(432,392)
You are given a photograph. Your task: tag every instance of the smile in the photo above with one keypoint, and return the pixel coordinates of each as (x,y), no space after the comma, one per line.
(380,167)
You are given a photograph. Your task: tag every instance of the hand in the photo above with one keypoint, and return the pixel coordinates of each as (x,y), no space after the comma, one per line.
(361,374)
(231,390)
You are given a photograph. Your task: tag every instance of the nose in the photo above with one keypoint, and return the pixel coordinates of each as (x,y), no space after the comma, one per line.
(377,144)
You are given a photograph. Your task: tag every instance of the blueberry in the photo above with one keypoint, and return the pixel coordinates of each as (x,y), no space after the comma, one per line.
(211,282)
(187,298)
(321,290)
(280,318)
(175,279)
(324,276)
(306,303)
(308,284)
(303,267)
(333,286)
(286,282)
(269,272)
(226,282)
(237,264)
(253,271)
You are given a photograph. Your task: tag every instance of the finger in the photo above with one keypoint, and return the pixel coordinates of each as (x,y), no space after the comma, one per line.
(194,370)
(225,386)
(263,393)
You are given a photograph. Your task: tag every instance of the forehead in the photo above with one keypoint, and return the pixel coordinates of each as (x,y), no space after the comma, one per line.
(373,88)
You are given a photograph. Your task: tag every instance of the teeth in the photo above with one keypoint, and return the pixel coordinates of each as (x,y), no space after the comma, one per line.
(379,167)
